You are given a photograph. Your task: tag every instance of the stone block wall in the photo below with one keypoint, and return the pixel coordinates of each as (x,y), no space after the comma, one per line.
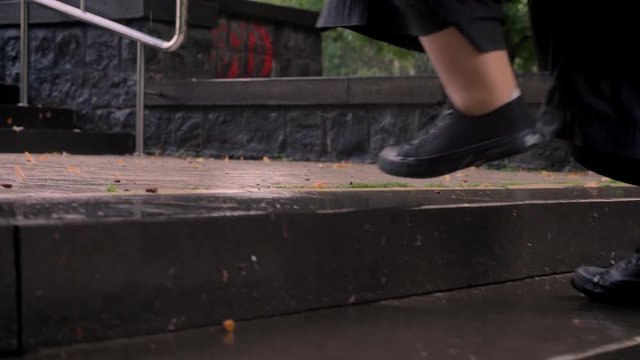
(315,133)
(92,71)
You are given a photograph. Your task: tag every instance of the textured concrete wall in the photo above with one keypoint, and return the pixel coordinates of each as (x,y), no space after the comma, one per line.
(92,71)
(317,133)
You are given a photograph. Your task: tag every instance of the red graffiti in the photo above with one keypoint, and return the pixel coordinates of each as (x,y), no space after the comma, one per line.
(237,36)
(234,68)
(252,43)
(265,38)
(77,330)
(219,35)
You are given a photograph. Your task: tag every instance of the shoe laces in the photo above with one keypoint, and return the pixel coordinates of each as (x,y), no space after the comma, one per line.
(441,119)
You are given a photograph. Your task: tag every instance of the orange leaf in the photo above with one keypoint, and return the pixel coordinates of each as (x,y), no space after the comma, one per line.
(342,165)
(28,157)
(19,173)
(320,185)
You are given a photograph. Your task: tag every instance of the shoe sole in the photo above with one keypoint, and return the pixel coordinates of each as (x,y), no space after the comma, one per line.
(438,165)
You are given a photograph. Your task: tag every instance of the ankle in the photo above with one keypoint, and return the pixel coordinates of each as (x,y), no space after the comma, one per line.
(479,104)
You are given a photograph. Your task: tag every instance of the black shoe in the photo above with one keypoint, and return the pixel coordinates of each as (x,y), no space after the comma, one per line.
(456,141)
(618,283)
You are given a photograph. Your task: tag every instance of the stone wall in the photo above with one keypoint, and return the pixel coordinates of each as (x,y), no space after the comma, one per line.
(321,119)
(77,66)
(316,133)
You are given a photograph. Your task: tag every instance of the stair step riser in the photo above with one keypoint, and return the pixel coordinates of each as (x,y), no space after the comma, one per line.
(104,280)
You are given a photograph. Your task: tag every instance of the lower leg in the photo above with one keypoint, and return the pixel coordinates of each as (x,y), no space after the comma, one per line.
(475,82)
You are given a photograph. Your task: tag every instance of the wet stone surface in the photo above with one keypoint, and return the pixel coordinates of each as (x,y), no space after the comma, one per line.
(176,206)
(533,319)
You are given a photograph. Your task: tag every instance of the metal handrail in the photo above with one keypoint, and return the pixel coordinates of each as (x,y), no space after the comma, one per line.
(171,45)
(141,38)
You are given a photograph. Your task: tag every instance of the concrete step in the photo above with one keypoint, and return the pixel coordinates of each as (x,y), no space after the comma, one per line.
(9,94)
(534,319)
(35,117)
(107,267)
(75,142)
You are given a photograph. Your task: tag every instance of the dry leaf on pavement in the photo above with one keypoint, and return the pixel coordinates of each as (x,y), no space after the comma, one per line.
(28,157)
(19,173)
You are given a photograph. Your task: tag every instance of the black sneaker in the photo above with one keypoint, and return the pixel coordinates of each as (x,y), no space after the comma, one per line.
(618,283)
(456,141)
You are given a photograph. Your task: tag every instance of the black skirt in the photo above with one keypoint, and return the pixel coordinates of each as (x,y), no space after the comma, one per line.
(400,22)
(595,94)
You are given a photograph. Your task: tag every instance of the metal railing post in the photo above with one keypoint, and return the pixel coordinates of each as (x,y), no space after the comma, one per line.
(140,78)
(24,52)
(141,38)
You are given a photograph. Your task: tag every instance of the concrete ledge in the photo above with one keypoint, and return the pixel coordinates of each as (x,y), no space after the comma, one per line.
(46,141)
(88,279)
(34,117)
(418,90)
(201,13)
(9,94)
(8,291)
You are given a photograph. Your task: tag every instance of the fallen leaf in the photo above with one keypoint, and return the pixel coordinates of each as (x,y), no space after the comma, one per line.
(591,185)
(43,157)
(226,158)
(6,186)
(73,170)
(112,188)
(265,159)
(121,162)
(28,157)
(19,173)
(320,185)
(152,190)
(342,165)
(229,325)
(9,120)
(17,128)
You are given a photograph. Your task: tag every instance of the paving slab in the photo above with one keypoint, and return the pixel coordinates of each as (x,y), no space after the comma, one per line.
(117,267)
(55,175)
(540,318)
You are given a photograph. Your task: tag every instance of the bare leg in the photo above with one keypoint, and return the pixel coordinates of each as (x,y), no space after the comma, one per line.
(475,82)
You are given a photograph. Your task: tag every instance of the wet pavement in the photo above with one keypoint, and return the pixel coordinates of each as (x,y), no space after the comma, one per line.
(57,175)
(70,209)
(533,319)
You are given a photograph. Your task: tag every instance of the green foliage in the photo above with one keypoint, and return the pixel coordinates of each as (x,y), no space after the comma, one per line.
(346,53)
(519,37)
